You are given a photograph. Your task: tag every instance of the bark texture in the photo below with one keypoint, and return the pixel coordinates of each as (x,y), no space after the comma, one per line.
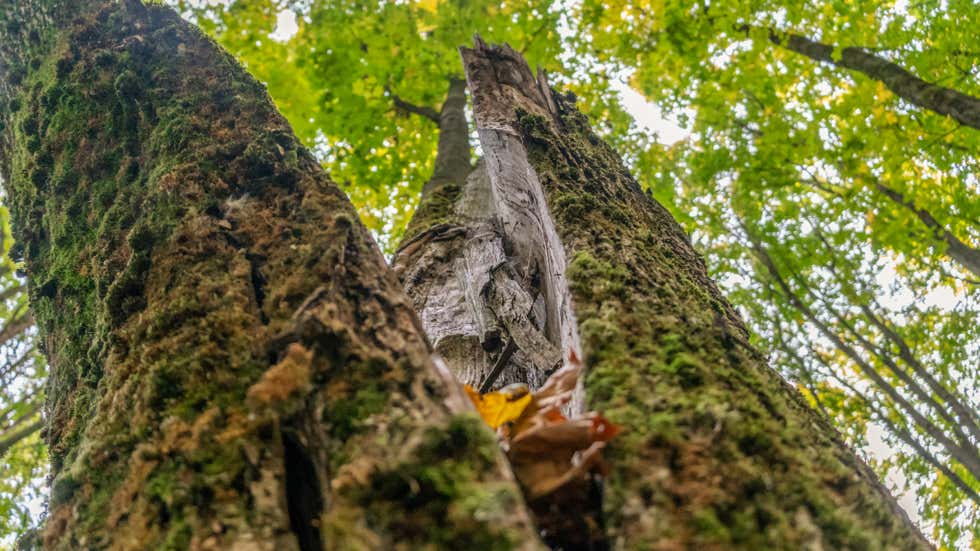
(232,365)
(475,262)
(718,451)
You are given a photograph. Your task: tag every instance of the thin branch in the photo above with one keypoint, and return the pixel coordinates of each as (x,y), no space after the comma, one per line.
(969,458)
(966,415)
(905,435)
(498,366)
(965,255)
(34,408)
(16,326)
(409,107)
(11,291)
(12,368)
(13,439)
(892,366)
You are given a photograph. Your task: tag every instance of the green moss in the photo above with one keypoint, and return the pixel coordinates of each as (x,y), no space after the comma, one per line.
(95,132)
(63,488)
(709,528)
(348,416)
(437,207)
(714,445)
(178,536)
(444,479)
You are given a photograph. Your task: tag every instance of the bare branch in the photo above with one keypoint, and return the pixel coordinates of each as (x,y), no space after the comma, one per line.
(420,110)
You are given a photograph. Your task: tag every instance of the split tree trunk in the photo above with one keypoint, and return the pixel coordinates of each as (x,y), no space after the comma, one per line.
(718,451)
(473,268)
(232,367)
(232,364)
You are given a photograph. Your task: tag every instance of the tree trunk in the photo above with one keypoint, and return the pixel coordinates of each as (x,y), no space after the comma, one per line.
(234,368)
(232,365)
(475,284)
(718,452)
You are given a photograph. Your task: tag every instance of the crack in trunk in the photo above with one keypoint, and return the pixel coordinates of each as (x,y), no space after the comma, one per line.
(303,497)
(485,269)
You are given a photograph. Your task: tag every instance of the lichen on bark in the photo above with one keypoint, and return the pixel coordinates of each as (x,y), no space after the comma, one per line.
(233,367)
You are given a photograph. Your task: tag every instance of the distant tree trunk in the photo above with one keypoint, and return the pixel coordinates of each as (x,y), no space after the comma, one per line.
(232,365)
(947,102)
(550,244)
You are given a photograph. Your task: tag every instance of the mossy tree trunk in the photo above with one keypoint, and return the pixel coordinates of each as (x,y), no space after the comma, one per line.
(234,368)
(718,451)
(232,364)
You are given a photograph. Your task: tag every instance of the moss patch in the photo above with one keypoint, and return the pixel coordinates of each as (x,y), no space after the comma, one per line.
(717,452)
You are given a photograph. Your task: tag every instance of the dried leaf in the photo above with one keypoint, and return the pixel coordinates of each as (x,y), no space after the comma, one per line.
(544,477)
(547,450)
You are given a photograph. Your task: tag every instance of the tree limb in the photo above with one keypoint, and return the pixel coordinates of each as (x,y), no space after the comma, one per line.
(967,416)
(967,457)
(965,255)
(910,383)
(961,107)
(13,439)
(409,107)
(16,326)
(905,435)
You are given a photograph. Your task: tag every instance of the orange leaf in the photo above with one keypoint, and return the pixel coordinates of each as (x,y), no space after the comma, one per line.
(501,407)
(603,429)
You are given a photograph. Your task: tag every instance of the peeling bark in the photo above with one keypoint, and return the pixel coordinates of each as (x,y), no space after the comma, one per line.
(477,263)
(718,452)
(232,364)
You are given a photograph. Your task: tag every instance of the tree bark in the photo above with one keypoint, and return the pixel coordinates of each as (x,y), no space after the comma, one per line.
(718,452)
(232,365)
(480,303)
(234,368)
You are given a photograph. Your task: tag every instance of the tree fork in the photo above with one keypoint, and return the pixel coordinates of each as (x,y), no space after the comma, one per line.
(232,365)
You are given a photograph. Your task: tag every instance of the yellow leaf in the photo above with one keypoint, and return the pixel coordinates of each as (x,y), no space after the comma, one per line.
(881,90)
(501,407)
(429,5)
